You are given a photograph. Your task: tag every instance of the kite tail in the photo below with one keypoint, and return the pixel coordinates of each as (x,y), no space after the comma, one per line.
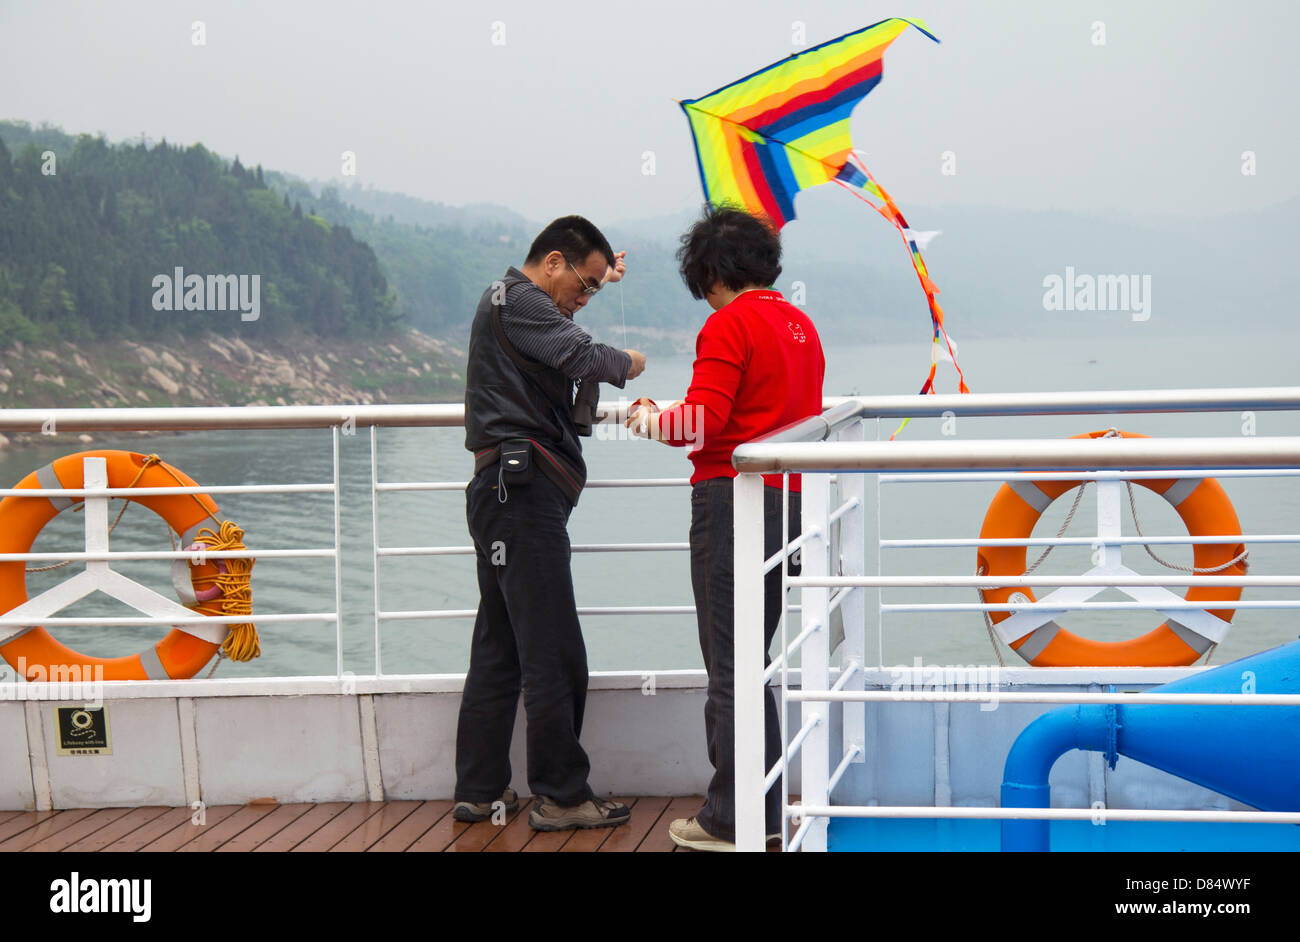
(889,209)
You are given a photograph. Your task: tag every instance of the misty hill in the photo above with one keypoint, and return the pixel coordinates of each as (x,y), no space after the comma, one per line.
(100,240)
(990,264)
(440,259)
(851,266)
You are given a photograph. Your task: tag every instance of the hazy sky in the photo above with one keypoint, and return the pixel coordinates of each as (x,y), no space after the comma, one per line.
(549,108)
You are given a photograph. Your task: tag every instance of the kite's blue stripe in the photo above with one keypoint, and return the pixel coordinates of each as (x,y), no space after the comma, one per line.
(812,117)
(851,175)
(780,179)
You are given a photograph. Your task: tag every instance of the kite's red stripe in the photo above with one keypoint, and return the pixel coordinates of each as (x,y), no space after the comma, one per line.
(866,73)
(762,189)
(815,84)
(740,177)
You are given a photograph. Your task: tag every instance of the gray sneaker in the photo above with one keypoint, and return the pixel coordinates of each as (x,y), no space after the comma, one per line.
(482,810)
(546,815)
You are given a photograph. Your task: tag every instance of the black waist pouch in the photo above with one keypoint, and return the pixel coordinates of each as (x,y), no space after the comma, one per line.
(517,463)
(520,457)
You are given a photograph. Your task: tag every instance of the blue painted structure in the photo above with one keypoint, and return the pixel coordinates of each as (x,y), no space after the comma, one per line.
(1249,753)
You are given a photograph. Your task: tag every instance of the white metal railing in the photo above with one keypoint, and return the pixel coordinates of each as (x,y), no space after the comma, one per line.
(344,420)
(606,414)
(849,454)
(834,444)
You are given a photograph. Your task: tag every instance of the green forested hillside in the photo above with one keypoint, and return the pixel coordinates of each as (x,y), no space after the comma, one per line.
(439,266)
(80,247)
(79,250)
(441,258)
(85,232)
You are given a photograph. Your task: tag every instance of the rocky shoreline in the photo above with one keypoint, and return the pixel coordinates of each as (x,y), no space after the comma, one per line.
(219,370)
(214,369)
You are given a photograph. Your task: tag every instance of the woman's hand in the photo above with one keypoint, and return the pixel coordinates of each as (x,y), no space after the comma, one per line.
(639,417)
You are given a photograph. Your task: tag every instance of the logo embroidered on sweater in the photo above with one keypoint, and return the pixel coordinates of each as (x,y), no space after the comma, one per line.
(797,332)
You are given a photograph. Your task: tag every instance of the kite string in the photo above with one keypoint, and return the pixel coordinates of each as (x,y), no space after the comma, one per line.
(622,312)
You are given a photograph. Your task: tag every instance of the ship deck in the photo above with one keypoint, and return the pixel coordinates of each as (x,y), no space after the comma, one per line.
(334,826)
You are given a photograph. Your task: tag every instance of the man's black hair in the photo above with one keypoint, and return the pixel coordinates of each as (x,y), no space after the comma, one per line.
(573,237)
(730,246)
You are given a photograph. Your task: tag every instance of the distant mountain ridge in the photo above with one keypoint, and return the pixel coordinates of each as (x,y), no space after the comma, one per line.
(992,265)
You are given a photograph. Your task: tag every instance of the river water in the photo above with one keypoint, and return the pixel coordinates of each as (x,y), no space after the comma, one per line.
(659,642)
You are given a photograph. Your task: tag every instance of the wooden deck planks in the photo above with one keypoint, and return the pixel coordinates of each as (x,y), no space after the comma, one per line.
(134,818)
(481,834)
(23,821)
(290,837)
(187,830)
(45,828)
(645,815)
(214,835)
(82,829)
(276,821)
(516,834)
(340,826)
(440,836)
(658,840)
(376,826)
(147,833)
(413,826)
(332,826)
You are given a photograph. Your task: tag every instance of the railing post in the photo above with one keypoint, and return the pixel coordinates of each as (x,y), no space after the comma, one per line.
(94,475)
(815,655)
(852,562)
(338,558)
(374,542)
(747,637)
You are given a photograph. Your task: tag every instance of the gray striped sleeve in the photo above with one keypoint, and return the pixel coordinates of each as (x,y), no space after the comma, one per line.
(540,332)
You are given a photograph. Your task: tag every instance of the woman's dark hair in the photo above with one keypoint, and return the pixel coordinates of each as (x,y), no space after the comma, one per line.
(730,246)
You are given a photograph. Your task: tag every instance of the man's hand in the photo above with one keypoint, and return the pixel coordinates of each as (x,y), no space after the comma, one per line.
(617,272)
(638,364)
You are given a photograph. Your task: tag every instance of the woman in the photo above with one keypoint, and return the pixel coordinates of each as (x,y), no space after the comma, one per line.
(758,366)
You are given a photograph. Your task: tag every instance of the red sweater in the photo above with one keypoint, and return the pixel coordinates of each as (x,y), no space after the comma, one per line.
(758,366)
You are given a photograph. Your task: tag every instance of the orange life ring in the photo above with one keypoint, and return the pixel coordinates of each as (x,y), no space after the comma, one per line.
(179,654)
(1203,507)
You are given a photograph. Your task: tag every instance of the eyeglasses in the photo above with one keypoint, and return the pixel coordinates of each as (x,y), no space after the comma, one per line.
(587,289)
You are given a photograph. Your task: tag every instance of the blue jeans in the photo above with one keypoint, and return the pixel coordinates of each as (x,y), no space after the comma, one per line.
(712,578)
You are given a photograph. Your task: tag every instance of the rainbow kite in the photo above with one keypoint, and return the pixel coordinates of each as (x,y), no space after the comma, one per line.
(762,139)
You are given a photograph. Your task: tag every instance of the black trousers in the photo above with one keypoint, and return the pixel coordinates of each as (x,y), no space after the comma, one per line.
(526,635)
(712,577)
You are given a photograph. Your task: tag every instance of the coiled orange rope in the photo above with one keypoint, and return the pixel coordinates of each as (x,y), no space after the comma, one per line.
(242,644)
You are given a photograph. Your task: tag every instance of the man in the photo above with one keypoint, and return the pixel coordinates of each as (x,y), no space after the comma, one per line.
(525,352)
(758,366)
